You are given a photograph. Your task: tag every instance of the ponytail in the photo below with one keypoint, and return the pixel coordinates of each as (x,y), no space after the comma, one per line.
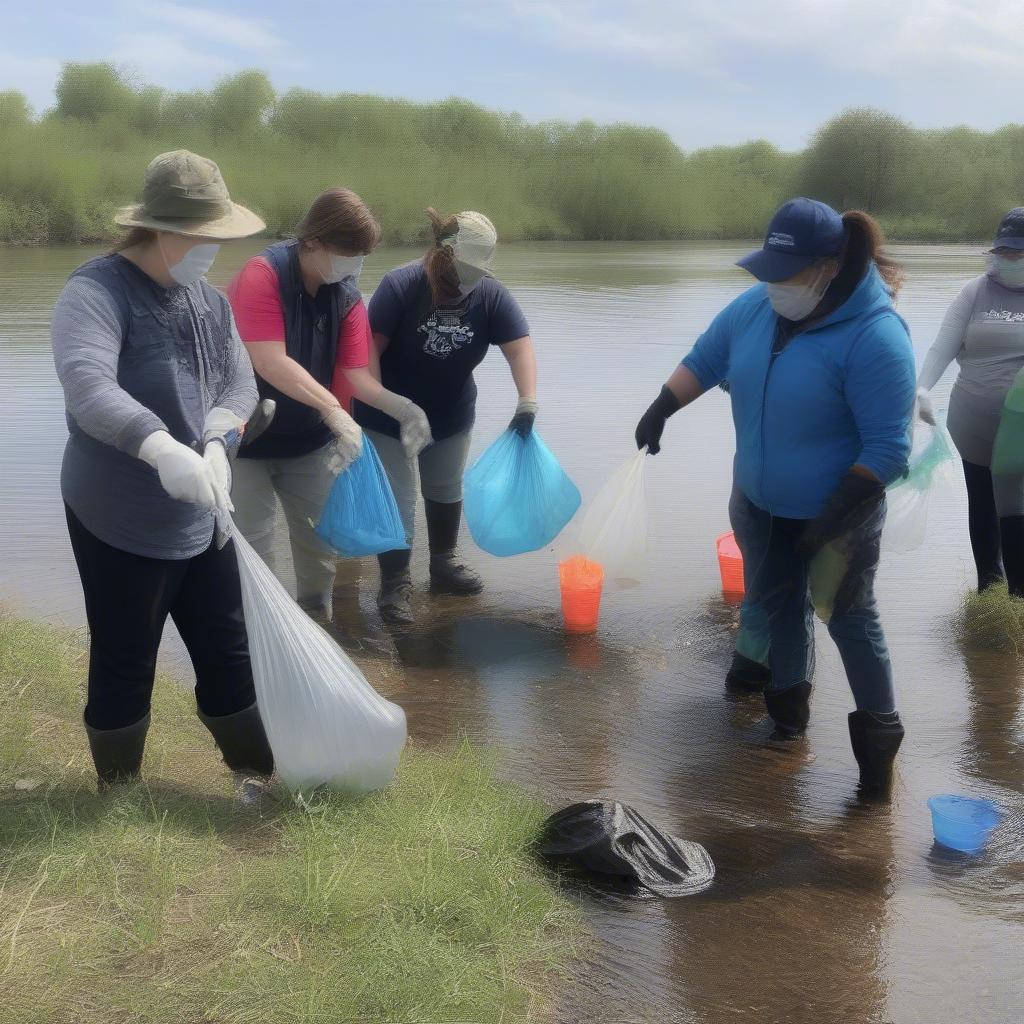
(440,259)
(865,245)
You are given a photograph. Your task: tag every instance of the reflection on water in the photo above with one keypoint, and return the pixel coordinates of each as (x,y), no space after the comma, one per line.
(822,910)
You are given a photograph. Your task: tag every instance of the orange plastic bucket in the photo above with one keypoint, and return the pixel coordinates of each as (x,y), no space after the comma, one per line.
(730,564)
(582,582)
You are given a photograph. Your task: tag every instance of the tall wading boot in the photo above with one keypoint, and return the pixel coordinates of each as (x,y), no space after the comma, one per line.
(447,574)
(747,676)
(117,753)
(395,597)
(790,710)
(875,740)
(1011,532)
(242,741)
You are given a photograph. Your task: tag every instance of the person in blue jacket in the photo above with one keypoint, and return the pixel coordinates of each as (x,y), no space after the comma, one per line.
(820,372)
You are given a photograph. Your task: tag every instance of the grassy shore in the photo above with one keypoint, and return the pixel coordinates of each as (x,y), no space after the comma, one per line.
(165,902)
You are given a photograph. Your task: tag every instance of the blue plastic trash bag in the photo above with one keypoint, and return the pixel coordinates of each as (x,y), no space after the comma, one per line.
(518,497)
(361,515)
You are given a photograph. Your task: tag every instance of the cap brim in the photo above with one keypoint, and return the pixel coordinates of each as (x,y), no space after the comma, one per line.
(239,223)
(772,267)
(1008,243)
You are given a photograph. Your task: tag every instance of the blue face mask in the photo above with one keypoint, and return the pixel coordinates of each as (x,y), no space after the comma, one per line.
(1009,272)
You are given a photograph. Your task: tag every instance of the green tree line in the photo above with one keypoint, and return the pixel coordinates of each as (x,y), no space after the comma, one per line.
(62,173)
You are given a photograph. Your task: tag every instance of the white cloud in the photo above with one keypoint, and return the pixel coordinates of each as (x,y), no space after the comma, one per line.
(166,58)
(248,33)
(709,38)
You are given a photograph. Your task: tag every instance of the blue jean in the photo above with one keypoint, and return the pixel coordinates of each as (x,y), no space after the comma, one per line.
(782,589)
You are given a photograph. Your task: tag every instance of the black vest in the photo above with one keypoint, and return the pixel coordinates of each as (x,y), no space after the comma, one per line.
(311,326)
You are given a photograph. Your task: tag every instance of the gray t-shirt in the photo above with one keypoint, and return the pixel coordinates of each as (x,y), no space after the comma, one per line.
(133,358)
(983,330)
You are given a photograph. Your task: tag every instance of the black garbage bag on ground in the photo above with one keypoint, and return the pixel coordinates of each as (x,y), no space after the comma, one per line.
(609,838)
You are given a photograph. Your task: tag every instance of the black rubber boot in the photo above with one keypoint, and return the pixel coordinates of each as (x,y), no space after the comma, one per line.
(790,710)
(875,742)
(1011,532)
(117,753)
(242,741)
(394,600)
(447,574)
(747,676)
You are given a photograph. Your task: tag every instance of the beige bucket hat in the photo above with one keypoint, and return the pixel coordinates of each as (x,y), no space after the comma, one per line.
(185,194)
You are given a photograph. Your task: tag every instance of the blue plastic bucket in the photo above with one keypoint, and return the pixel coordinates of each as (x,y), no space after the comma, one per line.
(962,822)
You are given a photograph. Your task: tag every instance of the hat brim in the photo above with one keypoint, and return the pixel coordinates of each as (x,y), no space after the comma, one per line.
(1008,243)
(773,267)
(239,223)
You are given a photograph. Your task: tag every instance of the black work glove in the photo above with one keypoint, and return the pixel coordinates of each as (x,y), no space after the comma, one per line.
(652,423)
(526,414)
(855,491)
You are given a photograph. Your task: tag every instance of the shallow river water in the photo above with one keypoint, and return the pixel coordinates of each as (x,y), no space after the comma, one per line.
(822,910)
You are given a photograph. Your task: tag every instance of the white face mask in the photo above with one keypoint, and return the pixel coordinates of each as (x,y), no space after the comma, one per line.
(469,277)
(193,265)
(1009,272)
(797,301)
(340,267)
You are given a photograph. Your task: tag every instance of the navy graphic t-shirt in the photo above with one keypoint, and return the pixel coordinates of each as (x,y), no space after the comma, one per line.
(433,352)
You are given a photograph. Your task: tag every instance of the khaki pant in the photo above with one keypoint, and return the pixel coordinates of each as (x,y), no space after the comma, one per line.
(302,484)
(441,468)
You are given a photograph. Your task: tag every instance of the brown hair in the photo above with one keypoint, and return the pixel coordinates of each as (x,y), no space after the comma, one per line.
(339,218)
(865,244)
(440,258)
(133,237)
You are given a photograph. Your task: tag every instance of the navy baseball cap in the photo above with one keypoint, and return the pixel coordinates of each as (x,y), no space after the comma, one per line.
(802,231)
(1011,230)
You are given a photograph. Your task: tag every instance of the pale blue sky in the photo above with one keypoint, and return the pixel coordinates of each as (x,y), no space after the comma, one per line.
(706,71)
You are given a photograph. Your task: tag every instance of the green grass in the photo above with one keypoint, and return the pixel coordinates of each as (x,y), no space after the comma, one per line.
(992,621)
(164,902)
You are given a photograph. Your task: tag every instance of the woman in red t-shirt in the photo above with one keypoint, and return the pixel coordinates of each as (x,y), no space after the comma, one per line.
(300,314)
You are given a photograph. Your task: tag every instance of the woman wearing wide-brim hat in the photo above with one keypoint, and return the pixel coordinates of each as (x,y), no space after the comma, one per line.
(157,386)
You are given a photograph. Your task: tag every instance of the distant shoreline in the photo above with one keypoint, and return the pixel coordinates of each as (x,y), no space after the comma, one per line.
(64,172)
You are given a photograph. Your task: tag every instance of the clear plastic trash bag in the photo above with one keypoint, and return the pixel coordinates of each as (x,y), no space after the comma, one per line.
(517,497)
(361,515)
(325,723)
(614,527)
(931,467)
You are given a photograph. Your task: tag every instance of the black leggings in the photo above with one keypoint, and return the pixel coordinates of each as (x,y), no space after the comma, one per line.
(997,542)
(127,601)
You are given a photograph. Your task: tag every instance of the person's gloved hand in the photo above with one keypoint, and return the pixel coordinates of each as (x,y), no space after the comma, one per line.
(415,428)
(652,423)
(526,413)
(184,474)
(220,423)
(925,407)
(216,457)
(854,491)
(348,444)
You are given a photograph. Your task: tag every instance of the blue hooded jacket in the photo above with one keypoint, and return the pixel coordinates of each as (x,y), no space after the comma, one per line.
(838,394)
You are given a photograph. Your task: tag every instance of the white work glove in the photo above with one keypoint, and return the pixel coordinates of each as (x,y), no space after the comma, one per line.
(184,474)
(348,444)
(415,428)
(219,423)
(925,407)
(216,457)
